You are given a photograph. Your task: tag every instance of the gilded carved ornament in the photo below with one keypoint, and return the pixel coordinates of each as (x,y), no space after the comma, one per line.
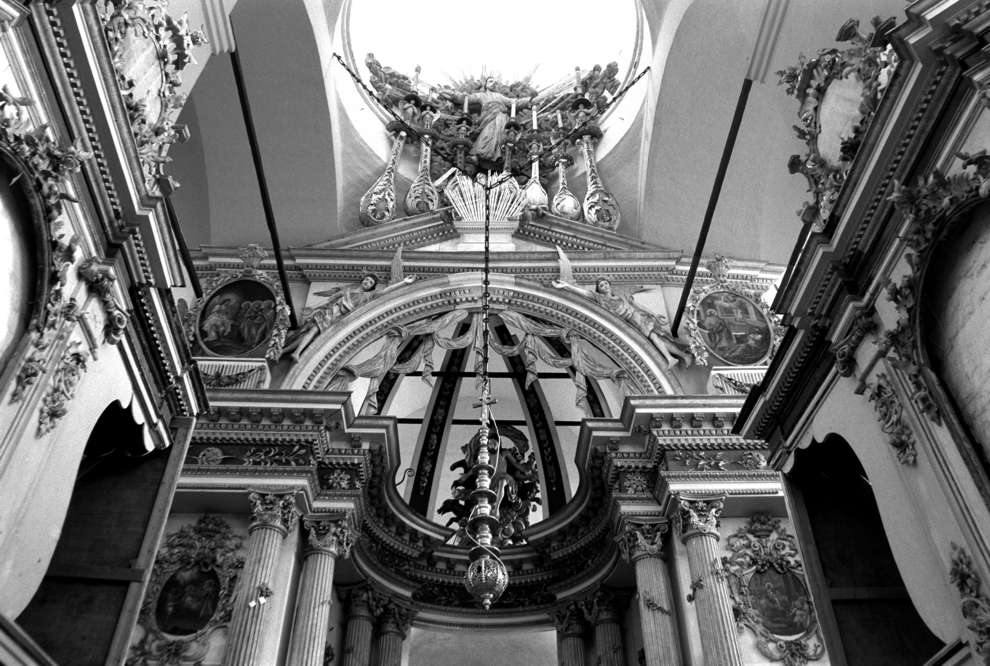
(638,540)
(829,124)
(333,535)
(189,595)
(274,510)
(101,279)
(698,515)
(975,606)
(767,584)
(569,619)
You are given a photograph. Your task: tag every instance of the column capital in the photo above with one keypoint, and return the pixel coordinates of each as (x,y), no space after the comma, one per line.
(698,516)
(601,607)
(569,619)
(395,619)
(273,510)
(334,535)
(639,538)
(363,602)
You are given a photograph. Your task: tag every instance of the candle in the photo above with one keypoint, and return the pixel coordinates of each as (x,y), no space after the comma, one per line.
(577,79)
(534,119)
(465,105)
(560,120)
(513,114)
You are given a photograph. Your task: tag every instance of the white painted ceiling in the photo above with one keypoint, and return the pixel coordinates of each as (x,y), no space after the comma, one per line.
(661,170)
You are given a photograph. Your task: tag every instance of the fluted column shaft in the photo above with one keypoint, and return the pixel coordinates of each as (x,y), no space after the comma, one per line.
(360,626)
(608,630)
(570,631)
(642,544)
(328,539)
(274,514)
(699,519)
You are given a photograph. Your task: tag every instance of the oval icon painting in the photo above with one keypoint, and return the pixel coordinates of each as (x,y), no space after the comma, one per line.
(734,329)
(187,601)
(782,601)
(237,320)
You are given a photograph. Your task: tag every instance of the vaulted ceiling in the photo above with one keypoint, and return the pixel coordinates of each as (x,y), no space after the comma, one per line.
(319,159)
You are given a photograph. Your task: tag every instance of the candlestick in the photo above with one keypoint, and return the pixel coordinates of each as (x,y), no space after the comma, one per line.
(577,79)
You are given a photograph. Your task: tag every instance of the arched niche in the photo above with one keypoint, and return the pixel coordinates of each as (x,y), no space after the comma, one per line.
(614,337)
(24,252)
(953,315)
(863,604)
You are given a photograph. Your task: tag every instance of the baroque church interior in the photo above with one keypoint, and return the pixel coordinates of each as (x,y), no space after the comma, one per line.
(368,332)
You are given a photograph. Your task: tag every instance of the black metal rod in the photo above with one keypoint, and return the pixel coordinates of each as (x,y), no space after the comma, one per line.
(723,166)
(259,170)
(173,220)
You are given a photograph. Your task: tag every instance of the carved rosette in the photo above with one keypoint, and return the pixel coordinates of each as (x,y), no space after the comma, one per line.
(698,516)
(639,540)
(865,67)
(204,559)
(765,574)
(273,511)
(377,205)
(335,536)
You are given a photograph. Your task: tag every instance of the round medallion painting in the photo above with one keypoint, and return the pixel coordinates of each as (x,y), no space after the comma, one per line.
(782,601)
(734,328)
(187,601)
(237,319)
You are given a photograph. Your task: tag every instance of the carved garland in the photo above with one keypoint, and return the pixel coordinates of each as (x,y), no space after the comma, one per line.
(869,59)
(47,164)
(126,25)
(766,581)
(889,409)
(189,565)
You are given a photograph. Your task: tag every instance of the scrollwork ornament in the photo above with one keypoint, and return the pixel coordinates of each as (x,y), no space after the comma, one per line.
(766,581)
(54,404)
(888,407)
(698,515)
(845,349)
(196,570)
(975,606)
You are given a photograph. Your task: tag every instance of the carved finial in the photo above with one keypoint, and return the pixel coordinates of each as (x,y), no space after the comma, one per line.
(719,268)
(252,256)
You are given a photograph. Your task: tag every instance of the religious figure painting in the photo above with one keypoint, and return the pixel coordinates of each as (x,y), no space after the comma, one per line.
(782,601)
(238,319)
(187,601)
(734,329)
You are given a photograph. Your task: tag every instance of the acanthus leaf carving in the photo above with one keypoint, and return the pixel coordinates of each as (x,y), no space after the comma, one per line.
(54,404)
(975,606)
(888,407)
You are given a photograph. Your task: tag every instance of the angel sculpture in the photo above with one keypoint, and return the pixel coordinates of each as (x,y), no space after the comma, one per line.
(653,326)
(341,302)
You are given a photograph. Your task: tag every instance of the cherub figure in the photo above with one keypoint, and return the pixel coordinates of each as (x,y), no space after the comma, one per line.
(653,326)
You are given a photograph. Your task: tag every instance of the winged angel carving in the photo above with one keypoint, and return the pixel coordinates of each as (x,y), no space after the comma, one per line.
(653,326)
(341,301)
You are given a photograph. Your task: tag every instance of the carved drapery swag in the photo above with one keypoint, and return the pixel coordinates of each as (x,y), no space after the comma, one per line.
(767,584)
(190,594)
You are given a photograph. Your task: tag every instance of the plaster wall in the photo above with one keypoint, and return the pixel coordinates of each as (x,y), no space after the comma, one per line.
(473,647)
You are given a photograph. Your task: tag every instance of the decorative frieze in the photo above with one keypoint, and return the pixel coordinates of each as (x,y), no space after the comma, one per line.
(888,407)
(975,605)
(769,592)
(704,461)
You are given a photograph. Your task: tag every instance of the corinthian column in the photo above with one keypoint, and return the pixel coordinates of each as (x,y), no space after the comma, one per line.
(395,622)
(698,520)
(327,539)
(360,624)
(608,629)
(642,544)
(273,515)
(570,631)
